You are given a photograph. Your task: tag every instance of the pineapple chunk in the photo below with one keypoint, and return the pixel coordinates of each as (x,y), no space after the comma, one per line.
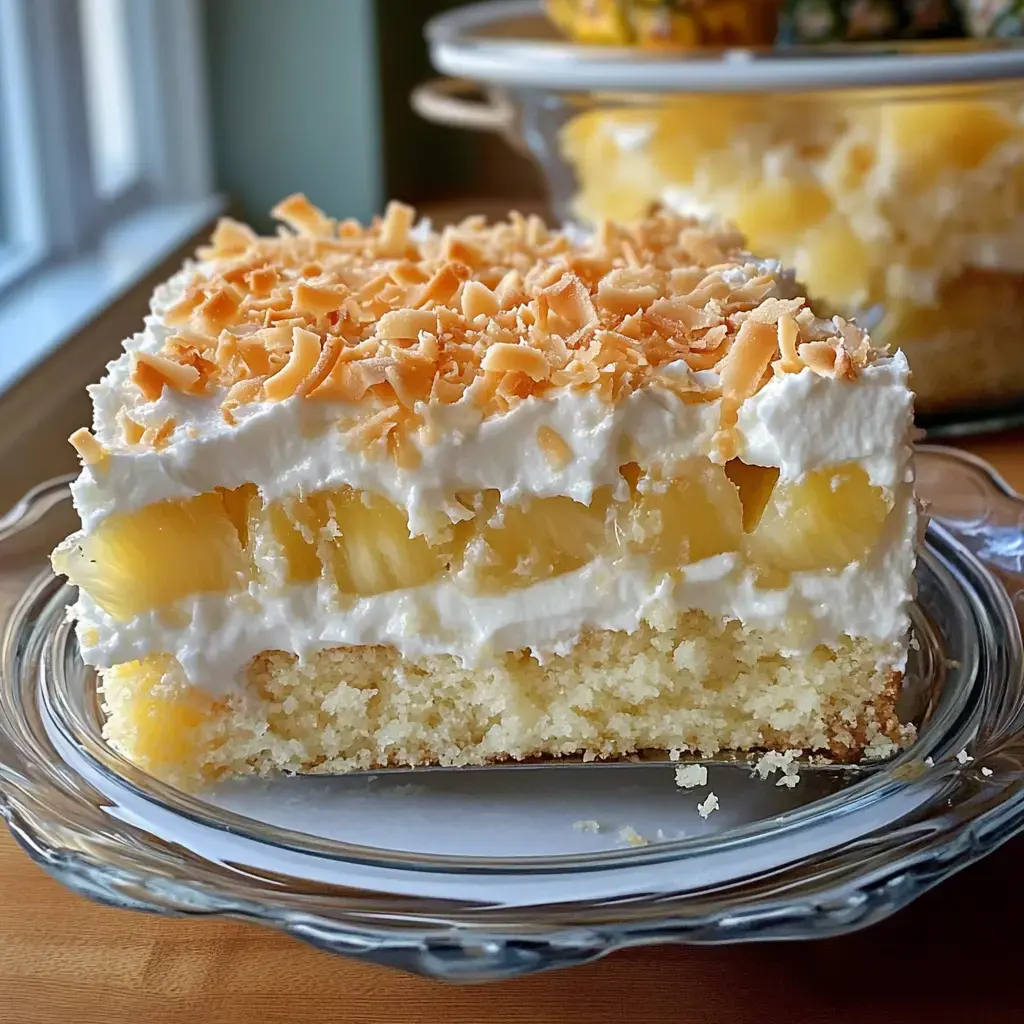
(829,519)
(686,519)
(771,213)
(755,484)
(239,505)
(688,130)
(929,136)
(160,719)
(835,264)
(364,539)
(134,562)
(529,543)
(295,527)
(369,547)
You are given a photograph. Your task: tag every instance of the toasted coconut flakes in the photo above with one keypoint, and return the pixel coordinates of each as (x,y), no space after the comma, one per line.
(262,281)
(626,290)
(509,291)
(455,248)
(130,430)
(372,287)
(478,300)
(220,308)
(329,354)
(510,358)
(159,437)
(376,427)
(91,452)
(303,359)
(151,373)
(394,229)
(819,356)
(344,383)
(844,365)
(746,361)
(443,391)
(406,323)
(179,313)
(410,380)
(299,213)
(789,334)
(510,309)
(319,299)
(570,300)
(407,273)
(242,393)
(443,285)
(772,310)
(230,238)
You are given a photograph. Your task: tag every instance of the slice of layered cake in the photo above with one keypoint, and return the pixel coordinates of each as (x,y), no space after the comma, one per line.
(366,497)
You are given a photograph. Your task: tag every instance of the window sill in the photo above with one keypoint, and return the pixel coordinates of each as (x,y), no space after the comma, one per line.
(50,307)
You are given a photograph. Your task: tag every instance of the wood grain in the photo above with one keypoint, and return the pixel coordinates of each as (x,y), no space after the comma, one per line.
(64,960)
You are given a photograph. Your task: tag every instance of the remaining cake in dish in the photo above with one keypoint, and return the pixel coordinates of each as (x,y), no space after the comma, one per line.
(903,207)
(386,496)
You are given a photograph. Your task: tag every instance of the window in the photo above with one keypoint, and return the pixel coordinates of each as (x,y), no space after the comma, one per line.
(102,115)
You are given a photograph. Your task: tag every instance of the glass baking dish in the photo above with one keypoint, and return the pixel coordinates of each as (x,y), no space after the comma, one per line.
(890,177)
(490,873)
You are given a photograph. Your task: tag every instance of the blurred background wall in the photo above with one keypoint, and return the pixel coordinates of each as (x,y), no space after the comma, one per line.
(313,96)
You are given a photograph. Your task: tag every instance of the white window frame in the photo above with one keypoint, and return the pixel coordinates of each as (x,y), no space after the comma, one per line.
(52,209)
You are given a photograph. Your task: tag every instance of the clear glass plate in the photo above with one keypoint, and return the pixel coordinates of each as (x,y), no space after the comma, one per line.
(485,873)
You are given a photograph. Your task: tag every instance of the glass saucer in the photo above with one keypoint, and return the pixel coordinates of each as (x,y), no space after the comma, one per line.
(490,873)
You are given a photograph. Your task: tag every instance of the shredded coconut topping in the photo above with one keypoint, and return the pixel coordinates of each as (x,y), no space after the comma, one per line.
(333,310)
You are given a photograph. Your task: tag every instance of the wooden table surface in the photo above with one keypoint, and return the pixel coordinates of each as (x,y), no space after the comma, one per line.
(946,958)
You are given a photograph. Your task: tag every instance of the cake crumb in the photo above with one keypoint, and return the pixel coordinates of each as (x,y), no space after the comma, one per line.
(690,776)
(987,772)
(964,758)
(630,836)
(930,761)
(709,805)
(587,826)
(881,748)
(773,761)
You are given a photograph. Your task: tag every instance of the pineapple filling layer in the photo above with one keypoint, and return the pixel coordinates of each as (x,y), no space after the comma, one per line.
(360,544)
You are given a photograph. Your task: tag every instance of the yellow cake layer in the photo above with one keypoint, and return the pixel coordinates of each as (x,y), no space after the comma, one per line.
(703,684)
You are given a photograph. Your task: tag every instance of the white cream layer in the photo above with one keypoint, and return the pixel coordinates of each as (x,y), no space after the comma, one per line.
(216,636)
(798,422)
